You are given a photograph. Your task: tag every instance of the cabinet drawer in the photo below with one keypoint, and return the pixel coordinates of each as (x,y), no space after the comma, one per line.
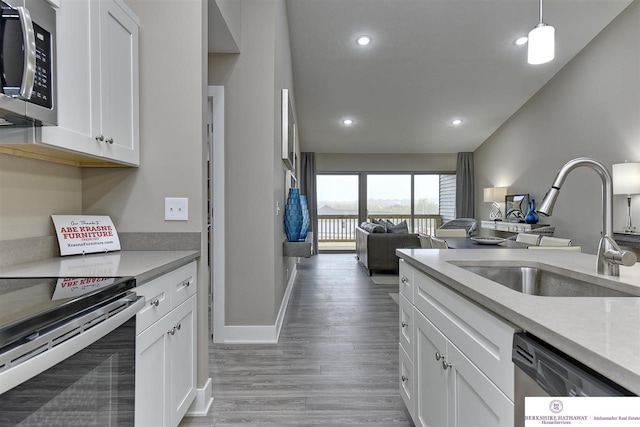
(157,302)
(183,284)
(406,280)
(485,339)
(407,327)
(407,382)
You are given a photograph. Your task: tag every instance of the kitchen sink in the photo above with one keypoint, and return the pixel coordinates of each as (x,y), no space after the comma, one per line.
(541,282)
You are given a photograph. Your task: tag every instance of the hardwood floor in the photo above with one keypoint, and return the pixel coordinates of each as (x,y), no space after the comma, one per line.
(336,363)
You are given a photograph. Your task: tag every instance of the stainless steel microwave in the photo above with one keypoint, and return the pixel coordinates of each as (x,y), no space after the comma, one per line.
(27,63)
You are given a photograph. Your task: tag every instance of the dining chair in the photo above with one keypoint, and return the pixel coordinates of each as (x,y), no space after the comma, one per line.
(565,248)
(450,232)
(554,241)
(425,241)
(439,243)
(531,239)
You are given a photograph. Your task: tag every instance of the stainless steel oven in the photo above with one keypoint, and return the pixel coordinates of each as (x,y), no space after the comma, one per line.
(67,351)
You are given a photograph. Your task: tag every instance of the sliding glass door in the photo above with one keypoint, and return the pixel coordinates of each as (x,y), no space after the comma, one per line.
(337,211)
(422,201)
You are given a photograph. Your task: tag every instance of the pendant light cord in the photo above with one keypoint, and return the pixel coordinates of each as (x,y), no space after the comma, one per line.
(541,12)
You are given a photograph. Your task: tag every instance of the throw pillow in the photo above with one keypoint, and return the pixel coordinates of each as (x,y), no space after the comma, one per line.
(400,228)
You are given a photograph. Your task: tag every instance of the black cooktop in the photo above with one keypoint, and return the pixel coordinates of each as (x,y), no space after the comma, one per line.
(29,306)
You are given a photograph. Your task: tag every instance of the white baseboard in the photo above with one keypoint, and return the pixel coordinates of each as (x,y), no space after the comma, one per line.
(202,402)
(261,334)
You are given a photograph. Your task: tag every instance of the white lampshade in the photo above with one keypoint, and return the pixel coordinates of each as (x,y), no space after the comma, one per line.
(626,178)
(541,47)
(495,194)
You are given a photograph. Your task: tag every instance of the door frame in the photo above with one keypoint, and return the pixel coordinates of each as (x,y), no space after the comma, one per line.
(217,212)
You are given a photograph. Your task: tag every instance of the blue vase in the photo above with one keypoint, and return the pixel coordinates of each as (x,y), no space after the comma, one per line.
(305,217)
(293,215)
(532,216)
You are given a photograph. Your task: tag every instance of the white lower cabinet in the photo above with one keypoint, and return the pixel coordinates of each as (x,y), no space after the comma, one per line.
(451,390)
(166,350)
(460,374)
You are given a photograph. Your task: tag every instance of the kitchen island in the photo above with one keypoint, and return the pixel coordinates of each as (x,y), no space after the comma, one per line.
(601,333)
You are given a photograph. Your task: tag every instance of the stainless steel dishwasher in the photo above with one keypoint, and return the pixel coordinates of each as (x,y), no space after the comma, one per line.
(541,370)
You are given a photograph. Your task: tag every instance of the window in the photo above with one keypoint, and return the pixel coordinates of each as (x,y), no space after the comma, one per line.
(422,200)
(337,197)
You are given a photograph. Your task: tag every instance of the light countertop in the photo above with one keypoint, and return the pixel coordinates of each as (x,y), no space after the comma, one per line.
(143,265)
(602,333)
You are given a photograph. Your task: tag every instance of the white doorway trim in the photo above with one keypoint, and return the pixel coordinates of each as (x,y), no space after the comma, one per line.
(217,244)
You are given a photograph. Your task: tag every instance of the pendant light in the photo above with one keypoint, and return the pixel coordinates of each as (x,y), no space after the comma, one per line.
(541,43)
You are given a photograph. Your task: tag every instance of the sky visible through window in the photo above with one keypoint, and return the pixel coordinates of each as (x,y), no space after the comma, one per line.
(341,191)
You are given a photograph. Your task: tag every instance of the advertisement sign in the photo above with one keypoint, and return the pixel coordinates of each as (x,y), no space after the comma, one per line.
(83,234)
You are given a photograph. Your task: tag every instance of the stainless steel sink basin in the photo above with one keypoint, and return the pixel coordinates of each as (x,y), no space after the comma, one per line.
(541,282)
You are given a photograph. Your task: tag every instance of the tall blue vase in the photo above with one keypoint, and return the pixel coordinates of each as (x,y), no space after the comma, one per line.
(532,216)
(305,217)
(293,215)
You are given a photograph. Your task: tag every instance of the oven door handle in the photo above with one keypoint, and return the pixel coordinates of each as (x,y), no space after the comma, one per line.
(29,44)
(50,355)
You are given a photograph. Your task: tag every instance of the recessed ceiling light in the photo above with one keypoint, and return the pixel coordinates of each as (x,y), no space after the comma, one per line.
(521,40)
(347,122)
(363,40)
(456,122)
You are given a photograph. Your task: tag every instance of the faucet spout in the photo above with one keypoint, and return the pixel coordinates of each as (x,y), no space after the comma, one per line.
(610,256)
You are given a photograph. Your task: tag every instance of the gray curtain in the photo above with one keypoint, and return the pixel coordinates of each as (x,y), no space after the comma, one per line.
(464,186)
(308,188)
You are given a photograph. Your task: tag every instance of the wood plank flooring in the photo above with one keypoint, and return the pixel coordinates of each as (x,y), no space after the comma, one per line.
(336,363)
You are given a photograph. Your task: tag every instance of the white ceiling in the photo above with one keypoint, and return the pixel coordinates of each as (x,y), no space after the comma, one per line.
(430,61)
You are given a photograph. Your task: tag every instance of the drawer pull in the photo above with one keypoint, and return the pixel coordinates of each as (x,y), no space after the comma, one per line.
(439,356)
(186,283)
(404,279)
(109,140)
(178,326)
(405,324)
(172,331)
(446,365)
(155,302)
(405,378)
(100,138)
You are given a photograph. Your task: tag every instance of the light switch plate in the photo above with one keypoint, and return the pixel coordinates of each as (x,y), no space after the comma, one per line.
(176,209)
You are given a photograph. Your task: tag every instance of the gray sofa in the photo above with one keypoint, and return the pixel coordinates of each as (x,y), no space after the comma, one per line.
(377,251)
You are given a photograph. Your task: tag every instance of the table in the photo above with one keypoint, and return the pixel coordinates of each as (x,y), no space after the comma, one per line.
(467,243)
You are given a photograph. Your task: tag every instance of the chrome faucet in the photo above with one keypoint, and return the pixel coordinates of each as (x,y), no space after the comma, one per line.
(610,256)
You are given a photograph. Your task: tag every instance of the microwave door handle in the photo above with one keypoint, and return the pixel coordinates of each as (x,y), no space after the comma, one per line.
(29,43)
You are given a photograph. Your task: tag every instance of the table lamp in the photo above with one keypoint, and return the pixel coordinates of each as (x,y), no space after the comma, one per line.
(495,195)
(626,180)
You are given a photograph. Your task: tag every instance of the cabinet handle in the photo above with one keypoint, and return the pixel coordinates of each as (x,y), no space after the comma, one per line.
(405,378)
(100,138)
(446,365)
(186,283)
(155,302)
(109,140)
(178,326)
(404,279)
(172,331)
(439,356)
(405,324)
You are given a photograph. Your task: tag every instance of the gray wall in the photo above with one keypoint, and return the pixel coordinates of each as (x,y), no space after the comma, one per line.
(256,272)
(371,162)
(591,108)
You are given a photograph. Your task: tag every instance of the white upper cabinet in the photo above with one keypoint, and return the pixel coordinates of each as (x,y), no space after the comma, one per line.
(114,60)
(98,83)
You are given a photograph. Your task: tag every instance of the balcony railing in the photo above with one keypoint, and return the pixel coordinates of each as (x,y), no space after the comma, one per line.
(342,228)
